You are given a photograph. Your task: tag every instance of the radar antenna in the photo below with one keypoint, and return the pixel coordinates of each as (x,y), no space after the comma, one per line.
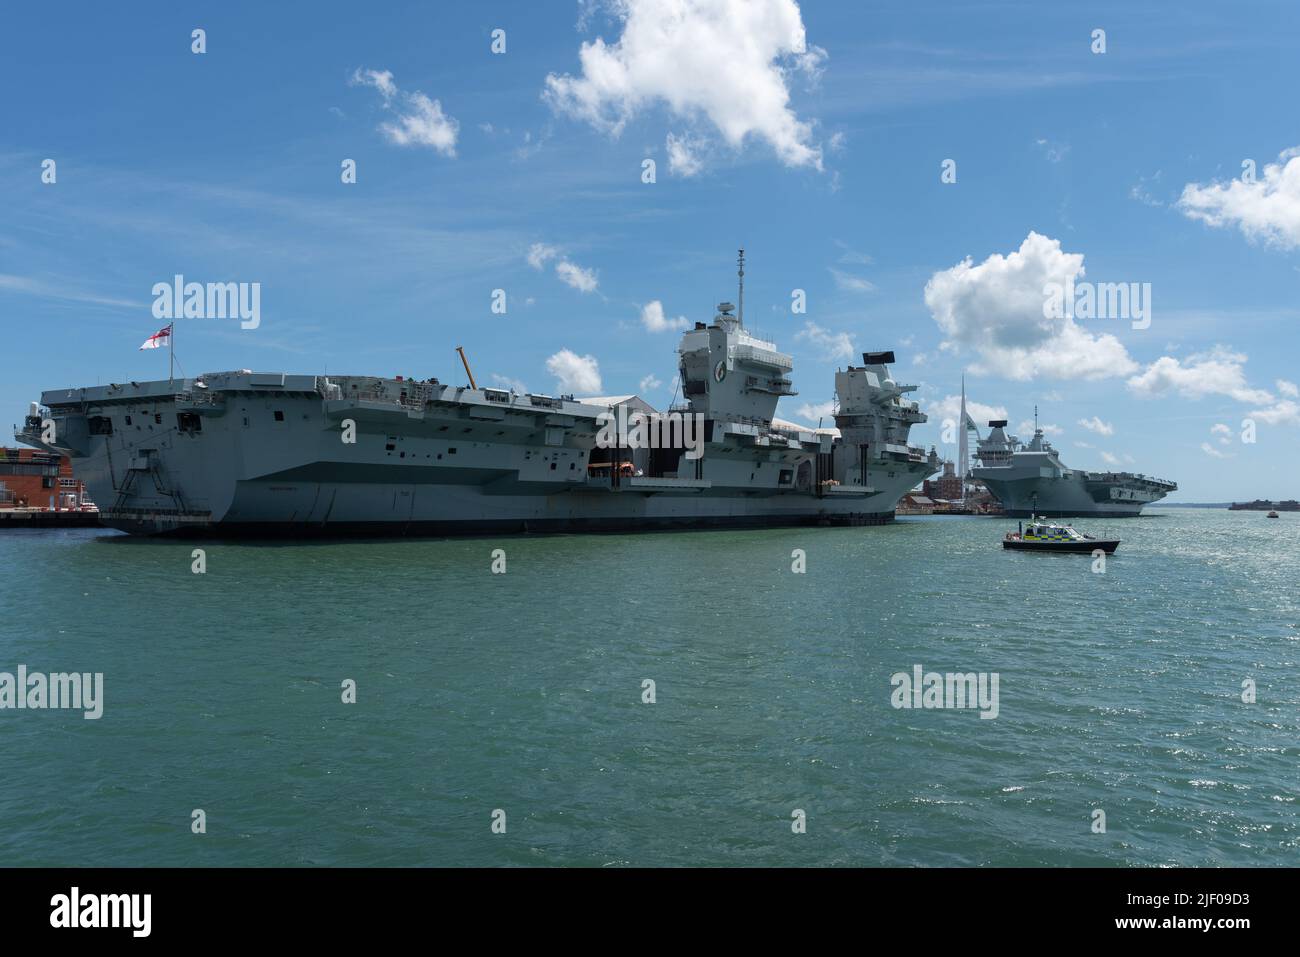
(740,272)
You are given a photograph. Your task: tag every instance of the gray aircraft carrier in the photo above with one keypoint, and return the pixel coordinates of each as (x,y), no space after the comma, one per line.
(1030,479)
(255,453)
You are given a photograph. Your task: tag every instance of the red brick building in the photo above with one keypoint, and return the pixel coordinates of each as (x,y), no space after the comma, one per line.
(35,479)
(947,487)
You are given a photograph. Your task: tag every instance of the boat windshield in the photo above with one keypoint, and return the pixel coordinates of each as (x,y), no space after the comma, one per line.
(1053,533)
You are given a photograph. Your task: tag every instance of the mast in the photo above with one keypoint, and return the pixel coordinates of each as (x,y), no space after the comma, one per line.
(171,354)
(740,272)
(963,442)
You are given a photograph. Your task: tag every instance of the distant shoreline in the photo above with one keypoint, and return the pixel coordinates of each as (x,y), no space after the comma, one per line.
(1223,505)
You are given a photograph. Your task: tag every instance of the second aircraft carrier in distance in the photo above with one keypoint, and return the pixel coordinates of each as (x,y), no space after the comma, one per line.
(247,453)
(1030,479)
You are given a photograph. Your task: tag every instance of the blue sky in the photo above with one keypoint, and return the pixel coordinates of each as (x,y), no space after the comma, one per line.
(822,158)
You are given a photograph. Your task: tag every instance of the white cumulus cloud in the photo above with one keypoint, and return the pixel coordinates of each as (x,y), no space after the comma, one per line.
(684,157)
(833,345)
(569,272)
(649,383)
(949,407)
(995,308)
(1266,208)
(539,254)
(813,412)
(583,280)
(1280,412)
(1095,424)
(1026,428)
(1289,389)
(653,318)
(719,62)
(1217,372)
(579,375)
(419,121)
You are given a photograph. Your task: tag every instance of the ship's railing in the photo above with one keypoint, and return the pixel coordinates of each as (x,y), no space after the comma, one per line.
(765,356)
(910,452)
(197,397)
(402,401)
(779,386)
(1127,477)
(791,433)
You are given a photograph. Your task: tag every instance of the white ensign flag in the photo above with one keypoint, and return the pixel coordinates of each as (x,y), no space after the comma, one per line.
(158,339)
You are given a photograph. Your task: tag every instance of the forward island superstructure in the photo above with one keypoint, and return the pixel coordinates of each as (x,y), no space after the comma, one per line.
(248,453)
(1030,479)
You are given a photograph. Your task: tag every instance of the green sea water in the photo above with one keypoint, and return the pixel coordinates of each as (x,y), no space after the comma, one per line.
(523,692)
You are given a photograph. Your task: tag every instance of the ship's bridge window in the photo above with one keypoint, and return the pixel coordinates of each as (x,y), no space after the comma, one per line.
(100,425)
(279,415)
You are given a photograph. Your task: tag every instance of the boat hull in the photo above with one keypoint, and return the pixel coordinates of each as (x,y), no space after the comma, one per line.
(1088,547)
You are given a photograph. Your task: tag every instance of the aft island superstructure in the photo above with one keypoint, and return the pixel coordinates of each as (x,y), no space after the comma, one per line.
(1030,479)
(248,453)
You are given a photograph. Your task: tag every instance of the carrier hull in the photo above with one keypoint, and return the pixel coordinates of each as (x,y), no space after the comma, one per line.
(284,455)
(238,460)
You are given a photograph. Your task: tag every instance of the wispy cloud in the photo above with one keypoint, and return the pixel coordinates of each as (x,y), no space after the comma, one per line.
(850,283)
(420,121)
(568,272)
(60,290)
(1095,424)
(833,345)
(571,274)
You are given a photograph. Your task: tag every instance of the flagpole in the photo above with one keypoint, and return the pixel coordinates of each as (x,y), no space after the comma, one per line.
(171,354)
